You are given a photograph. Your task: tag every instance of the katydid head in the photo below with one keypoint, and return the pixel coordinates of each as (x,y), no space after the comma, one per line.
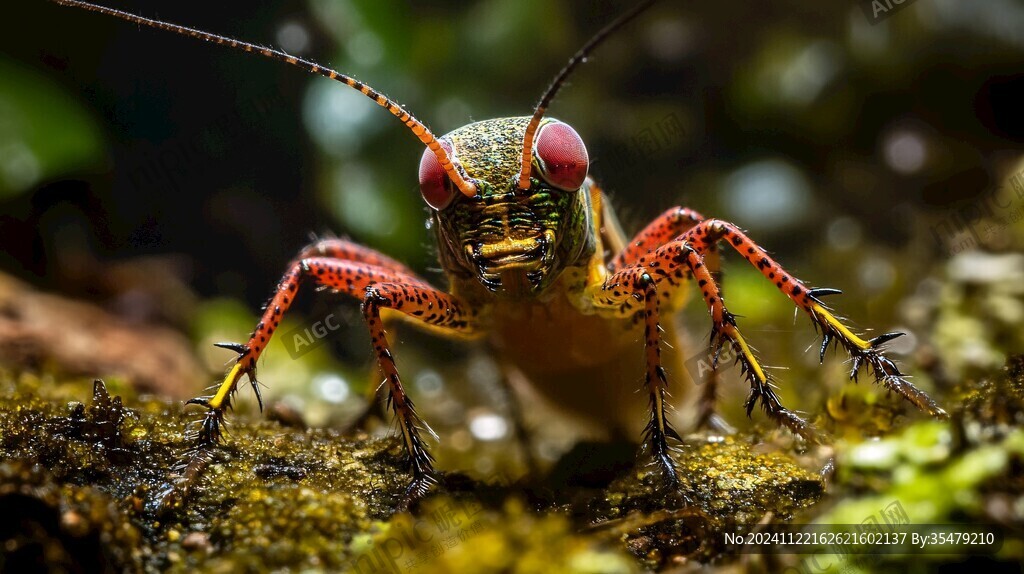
(509,195)
(531,216)
(514,241)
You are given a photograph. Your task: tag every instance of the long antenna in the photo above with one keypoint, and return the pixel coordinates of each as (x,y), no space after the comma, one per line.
(545,100)
(450,167)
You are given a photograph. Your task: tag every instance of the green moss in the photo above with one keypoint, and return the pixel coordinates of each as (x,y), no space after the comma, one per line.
(460,534)
(271,497)
(961,471)
(275,497)
(111,481)
(730,487)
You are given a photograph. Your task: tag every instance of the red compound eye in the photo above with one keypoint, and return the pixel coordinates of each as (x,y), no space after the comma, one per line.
(436,188)
(562,156)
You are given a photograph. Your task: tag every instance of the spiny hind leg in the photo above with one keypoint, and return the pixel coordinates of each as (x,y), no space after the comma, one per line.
(378,288)
(633,292)
(707,402)
(666,227)
(340,251)
(662,230)
(669,266)
(864,353)
(437,309)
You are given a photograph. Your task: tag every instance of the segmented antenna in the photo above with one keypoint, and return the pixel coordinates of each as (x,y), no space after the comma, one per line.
(577,59)
(450,166)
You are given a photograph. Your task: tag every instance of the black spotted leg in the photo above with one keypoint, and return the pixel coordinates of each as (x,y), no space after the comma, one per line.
(280,301)
(637,289)
(864,353)
(707,409)
(433,307)
(380,283)
(666,227)
(633,292)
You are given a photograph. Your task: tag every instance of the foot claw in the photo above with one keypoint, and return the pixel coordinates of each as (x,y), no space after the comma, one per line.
(668,467)
(656,442)
(210,432)
(869,355)
(417,489)
(858,360)
(826,341)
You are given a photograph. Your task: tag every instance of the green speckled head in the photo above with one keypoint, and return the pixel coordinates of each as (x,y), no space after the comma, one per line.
(514,243)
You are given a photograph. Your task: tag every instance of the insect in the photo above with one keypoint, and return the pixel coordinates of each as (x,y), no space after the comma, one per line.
(538,265)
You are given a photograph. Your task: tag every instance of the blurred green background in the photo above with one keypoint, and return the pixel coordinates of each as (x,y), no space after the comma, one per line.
(864,156)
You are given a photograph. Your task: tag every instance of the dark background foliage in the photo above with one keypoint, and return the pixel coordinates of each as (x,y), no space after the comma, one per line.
(863,155)
(205,151)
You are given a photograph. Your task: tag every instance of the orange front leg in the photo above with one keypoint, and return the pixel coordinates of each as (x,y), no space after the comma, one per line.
(636,291)
(663,229)
(632,291)
(382,284)
(378,266)
(432,307)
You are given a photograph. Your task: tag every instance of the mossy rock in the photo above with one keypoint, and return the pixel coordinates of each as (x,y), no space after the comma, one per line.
(111,484)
